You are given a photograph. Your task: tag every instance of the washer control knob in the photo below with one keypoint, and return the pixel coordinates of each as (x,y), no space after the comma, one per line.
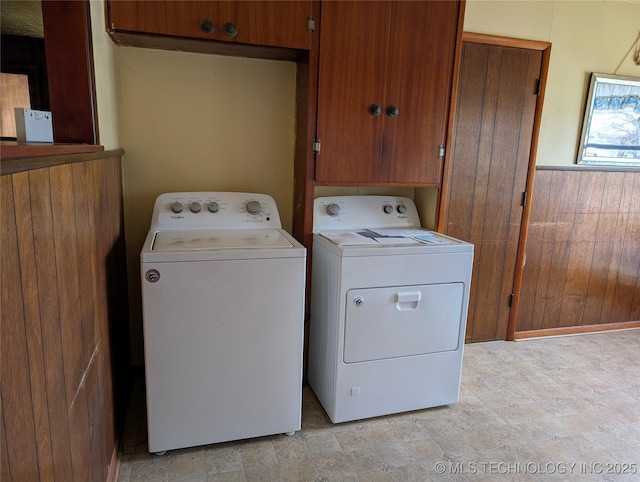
(333,209)
(387,208)
(254,207)
(402,208)
(214,207)
(176,207)
(195,207)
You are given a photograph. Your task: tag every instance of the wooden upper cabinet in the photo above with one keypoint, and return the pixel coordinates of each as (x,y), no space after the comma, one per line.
(265,23)
(385,77)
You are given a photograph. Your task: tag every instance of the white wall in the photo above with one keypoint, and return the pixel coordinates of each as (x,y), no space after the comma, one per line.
(105,69)
(204,122)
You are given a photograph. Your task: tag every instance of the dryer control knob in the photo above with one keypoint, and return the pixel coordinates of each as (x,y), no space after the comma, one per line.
(176,207)
(333,209)
(195,207)
(387,208)
(253,207)
(402,208)
(214,207)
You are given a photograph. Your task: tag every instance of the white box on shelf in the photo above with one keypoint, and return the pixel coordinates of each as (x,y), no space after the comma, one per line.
(33,125)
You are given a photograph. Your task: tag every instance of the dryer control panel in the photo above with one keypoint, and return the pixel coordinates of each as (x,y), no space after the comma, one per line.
(215,210)
(357,212)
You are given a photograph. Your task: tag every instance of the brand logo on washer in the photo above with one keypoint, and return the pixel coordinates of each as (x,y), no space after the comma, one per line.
(152,275)
(358,300)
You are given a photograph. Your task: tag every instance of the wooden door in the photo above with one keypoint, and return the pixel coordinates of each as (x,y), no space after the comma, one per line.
(420,69)
(272,23)
(490,162)
(387,54)
(268,23)
(166,17)
(353,64)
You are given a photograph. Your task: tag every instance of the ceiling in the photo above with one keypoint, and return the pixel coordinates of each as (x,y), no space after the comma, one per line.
(21,17)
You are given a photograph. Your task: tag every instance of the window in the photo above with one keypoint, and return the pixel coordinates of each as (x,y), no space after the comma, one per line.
(611,128)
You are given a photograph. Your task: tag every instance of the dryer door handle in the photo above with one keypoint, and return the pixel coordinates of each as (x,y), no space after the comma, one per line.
(408,296)
(407,300)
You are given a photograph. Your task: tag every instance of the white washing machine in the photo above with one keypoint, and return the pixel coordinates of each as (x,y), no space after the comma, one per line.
(223,310)
(388,308)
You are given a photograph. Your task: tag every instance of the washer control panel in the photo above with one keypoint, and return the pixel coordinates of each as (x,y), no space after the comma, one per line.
(215,210)
(357,212)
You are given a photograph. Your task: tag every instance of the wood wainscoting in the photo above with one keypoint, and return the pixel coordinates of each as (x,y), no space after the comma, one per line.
(65,351)
(582,269)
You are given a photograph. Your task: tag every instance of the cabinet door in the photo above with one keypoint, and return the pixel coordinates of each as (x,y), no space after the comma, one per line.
(353,58)
(391,54)
(178,18)
(419,77)
(272,23)
(267,23)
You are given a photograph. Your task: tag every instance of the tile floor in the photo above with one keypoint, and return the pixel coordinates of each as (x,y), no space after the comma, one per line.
(565,408)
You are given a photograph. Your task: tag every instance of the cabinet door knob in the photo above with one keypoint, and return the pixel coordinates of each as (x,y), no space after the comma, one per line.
(375,110)
(392,110)
(230,29)
(206,26)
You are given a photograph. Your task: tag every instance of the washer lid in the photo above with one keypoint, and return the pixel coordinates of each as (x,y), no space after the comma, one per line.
(208,240)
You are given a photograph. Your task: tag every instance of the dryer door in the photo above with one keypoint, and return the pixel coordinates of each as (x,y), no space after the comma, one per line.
(402,321)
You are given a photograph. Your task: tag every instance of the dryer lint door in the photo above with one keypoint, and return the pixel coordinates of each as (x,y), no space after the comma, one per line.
(401,321)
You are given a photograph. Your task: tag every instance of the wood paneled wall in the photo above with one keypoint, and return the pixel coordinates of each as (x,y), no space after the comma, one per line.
(582,270)
(64,321)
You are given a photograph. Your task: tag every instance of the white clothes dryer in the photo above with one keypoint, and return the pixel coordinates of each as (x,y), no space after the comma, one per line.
(388,308)
(223,310)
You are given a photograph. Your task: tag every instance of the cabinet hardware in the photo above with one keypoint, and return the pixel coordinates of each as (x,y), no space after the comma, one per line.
(524,198)
(375,110)
(441,153)
(206,26)
(316,146)
(311,24)
(511,298)
(392,110)
(230,29)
